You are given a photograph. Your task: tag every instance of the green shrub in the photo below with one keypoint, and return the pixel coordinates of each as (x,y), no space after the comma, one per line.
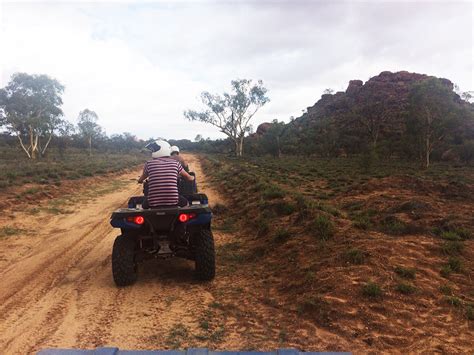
(470,312)
(362,221)
(453,301)
(405,288)
(372,290)
(328,209)
(273,192)
(452,247)
(9,231)
(445,271)
(455,264)
(322,227)
(446,290)
(282,235)
(392,225)
(262,227)
(354,256)
(449,235)
(284,208)
(406,273)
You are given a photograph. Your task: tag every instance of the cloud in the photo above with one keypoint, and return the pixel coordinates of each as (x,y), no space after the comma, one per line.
(140,66)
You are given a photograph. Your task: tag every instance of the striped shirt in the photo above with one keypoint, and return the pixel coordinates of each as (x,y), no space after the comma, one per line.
(162,181)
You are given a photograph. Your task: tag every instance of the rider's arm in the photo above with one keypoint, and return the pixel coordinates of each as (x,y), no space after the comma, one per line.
(185,175)
(183,162)
(143,177)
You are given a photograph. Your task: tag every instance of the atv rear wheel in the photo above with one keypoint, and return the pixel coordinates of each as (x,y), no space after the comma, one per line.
(205,258)
(124,267)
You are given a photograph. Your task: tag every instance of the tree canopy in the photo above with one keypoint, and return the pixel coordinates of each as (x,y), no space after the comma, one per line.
(30,108)
(232,112)
(88,126)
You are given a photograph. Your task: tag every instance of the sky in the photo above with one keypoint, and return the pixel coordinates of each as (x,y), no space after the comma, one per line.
(139,65)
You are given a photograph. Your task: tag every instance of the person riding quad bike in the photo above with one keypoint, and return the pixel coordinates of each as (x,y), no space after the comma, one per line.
(162,173)
(162,224)
(175,155)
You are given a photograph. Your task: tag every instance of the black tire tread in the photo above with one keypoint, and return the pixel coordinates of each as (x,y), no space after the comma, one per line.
(205,258)
(124,268)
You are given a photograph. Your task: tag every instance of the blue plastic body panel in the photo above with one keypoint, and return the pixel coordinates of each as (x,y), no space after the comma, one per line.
(121,223)
(201,219)
(204,351)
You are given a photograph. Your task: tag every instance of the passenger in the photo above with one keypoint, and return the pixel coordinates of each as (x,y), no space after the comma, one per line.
(175,155)
(162,173)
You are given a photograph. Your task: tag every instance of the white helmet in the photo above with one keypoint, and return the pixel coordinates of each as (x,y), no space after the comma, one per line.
(159,148)
(174,149)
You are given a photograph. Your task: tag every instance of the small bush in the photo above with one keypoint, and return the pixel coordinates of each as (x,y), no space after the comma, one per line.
(262,227)
(410,206)
(445,271)
(362,221)
(392,225)
(405,288)
(9,231)
(446,290)
(470,312)
(284,208)
(449,230)
(448,235)
(453,301)
(463,233)
(273,192)
(455,264)
(372,290)
(282,235)
(406,273)
(322,227)
(452,247)
(328,209)
(354,256)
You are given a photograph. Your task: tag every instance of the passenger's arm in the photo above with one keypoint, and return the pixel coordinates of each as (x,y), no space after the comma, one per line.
(185,175)
(143,177)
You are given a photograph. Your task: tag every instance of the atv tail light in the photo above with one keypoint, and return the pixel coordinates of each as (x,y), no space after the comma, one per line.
(136,219)
(184,217)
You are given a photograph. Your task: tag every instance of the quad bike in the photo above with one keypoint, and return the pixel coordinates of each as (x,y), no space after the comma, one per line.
(183,232)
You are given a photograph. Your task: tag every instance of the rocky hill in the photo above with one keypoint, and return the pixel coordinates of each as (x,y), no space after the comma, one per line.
(387,112)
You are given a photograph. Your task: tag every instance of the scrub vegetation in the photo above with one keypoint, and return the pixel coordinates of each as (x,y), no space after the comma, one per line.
(340,244)
(16,170)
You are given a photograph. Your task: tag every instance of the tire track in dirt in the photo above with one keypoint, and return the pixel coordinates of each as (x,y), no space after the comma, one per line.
(41,286)
(60,293)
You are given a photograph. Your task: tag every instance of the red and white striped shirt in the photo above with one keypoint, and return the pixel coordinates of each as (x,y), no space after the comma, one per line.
(163,176)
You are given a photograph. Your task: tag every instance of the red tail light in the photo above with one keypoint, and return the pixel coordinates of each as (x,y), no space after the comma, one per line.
(139,220)
(184,217)
(136,219)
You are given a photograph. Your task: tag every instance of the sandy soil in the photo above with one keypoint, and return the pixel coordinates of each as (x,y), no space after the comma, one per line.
(57,289)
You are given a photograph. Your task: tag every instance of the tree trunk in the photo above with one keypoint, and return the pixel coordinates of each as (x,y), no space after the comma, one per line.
(32,144)
(239,143)
(427,152)
(90,145)
(278,147)
(47,143)
(241,147)
(23,146)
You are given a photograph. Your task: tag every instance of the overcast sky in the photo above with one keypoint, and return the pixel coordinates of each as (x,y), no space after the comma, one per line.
(139,66)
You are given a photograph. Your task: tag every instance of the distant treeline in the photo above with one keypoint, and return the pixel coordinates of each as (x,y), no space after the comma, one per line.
(401,115)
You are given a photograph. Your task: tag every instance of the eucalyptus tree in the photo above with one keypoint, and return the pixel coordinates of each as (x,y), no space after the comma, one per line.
(231,112)
(88,127)
(30,108)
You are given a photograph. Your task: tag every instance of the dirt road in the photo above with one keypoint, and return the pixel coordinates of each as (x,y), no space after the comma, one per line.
(57,289)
